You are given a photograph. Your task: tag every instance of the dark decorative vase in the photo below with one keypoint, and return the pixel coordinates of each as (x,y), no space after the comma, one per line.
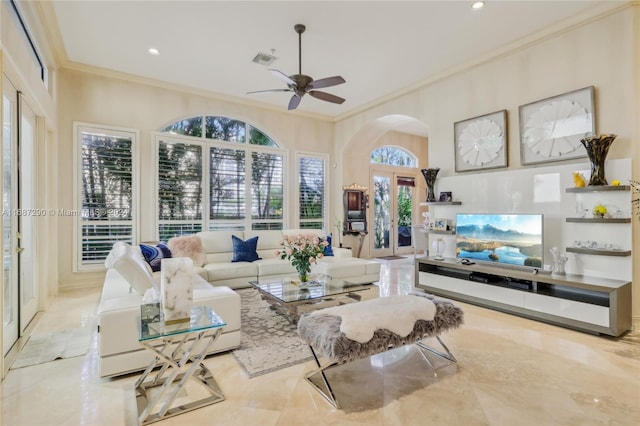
(430,178)
(597,148)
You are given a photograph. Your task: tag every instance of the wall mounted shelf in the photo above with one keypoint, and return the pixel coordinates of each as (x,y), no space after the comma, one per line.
(451,232)
(595,220)
(600,188)
(441,203)
(600,252)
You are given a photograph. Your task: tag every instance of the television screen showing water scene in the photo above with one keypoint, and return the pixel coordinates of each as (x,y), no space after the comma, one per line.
(514,239)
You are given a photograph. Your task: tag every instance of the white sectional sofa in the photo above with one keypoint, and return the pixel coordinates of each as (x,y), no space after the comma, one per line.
(218,269)
(118,316)
(128,276)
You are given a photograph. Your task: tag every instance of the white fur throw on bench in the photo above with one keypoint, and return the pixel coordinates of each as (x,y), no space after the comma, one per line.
(397,314)
(322,329)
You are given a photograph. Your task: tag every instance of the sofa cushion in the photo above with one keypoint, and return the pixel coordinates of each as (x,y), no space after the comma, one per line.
(277,266)
(244,251)
(268,242)
(187,246)
(130,265)
(227,271)
(218,241)
(154,254)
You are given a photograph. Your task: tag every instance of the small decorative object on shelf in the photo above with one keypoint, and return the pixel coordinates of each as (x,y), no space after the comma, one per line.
(597,148)
(425,222)
(438,248)
(430,179)
(578,180)
(445,197)
(440,224)
(302,250)
(600,211)
(559,261)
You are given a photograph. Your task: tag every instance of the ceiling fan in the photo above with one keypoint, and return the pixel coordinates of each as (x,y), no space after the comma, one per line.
(300,84)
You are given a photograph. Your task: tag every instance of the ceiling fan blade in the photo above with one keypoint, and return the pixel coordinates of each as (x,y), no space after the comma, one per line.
(326,97)
(282,76)
(268,91)
(294,102)
(326,82)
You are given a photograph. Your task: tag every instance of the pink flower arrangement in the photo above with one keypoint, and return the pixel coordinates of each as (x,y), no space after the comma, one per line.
(302,250)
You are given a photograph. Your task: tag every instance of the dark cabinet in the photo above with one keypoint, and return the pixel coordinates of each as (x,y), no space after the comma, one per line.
(355,210)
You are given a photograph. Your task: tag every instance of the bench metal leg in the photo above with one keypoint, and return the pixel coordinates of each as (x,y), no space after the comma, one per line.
(326,392)
(324,387)
(448,355)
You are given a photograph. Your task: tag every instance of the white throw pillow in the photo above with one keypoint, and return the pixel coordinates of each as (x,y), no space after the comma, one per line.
(128,262)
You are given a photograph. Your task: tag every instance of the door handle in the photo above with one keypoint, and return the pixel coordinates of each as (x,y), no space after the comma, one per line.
(19,250)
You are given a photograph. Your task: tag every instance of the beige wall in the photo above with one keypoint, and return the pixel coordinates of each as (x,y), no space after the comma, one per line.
(91,98)
(601,53)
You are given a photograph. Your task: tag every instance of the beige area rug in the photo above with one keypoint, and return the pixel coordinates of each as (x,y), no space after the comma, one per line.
(269,341)
(47,347)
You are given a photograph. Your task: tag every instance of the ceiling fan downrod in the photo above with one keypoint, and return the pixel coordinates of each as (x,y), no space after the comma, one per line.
(299,29)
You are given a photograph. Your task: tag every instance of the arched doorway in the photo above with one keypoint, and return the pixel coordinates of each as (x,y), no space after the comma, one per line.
(409,135)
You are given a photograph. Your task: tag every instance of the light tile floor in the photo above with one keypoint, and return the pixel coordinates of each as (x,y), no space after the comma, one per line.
(511,371)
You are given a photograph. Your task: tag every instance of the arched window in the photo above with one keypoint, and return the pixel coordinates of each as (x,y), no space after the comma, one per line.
(393,156)
(220,128)
(235,168)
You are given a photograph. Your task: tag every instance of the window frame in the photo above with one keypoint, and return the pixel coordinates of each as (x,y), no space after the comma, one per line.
(408,153)
(134,134)
(207,144)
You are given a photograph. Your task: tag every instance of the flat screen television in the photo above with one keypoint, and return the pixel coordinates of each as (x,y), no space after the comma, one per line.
(505,239)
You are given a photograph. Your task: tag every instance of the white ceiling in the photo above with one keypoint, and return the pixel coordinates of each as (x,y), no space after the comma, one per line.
(378,47)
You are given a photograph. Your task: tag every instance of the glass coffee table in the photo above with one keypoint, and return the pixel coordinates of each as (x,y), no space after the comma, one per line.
(291,298)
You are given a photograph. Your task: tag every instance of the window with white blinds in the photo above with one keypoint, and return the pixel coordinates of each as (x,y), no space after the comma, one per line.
(106,194)
(311,192)
(267,190)
(180,189)
(227,186)
(243,177)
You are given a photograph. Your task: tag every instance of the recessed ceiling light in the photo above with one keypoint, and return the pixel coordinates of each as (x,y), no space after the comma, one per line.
(153,51)
(477,5)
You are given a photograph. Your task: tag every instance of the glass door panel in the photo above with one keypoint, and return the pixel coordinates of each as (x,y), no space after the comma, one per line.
(382,215)
(26,227)
(405,190)
(10,321)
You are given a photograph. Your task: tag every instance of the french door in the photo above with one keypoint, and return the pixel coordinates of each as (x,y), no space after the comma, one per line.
(20,297)
(393,197)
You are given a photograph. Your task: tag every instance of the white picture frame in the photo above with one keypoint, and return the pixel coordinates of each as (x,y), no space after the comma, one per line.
(440,224)
(551,128)
(481,142)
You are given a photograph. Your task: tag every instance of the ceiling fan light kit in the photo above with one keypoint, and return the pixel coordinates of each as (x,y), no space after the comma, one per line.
(301,84)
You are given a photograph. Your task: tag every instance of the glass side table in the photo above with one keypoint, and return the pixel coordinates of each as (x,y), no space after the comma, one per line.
(179,350)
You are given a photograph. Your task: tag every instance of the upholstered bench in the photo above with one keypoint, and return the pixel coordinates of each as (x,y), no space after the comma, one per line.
(346,333)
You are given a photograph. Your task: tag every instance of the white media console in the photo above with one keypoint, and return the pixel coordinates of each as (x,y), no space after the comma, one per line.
(590,304)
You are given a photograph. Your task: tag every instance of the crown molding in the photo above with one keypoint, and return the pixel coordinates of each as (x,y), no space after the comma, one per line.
(104,72)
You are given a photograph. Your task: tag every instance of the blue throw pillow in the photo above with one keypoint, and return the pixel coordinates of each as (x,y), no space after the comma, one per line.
(328,250)
(154,255)
(245,251)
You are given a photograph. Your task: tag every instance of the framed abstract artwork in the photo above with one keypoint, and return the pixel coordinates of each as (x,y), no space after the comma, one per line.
(481,142)
(551,129)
